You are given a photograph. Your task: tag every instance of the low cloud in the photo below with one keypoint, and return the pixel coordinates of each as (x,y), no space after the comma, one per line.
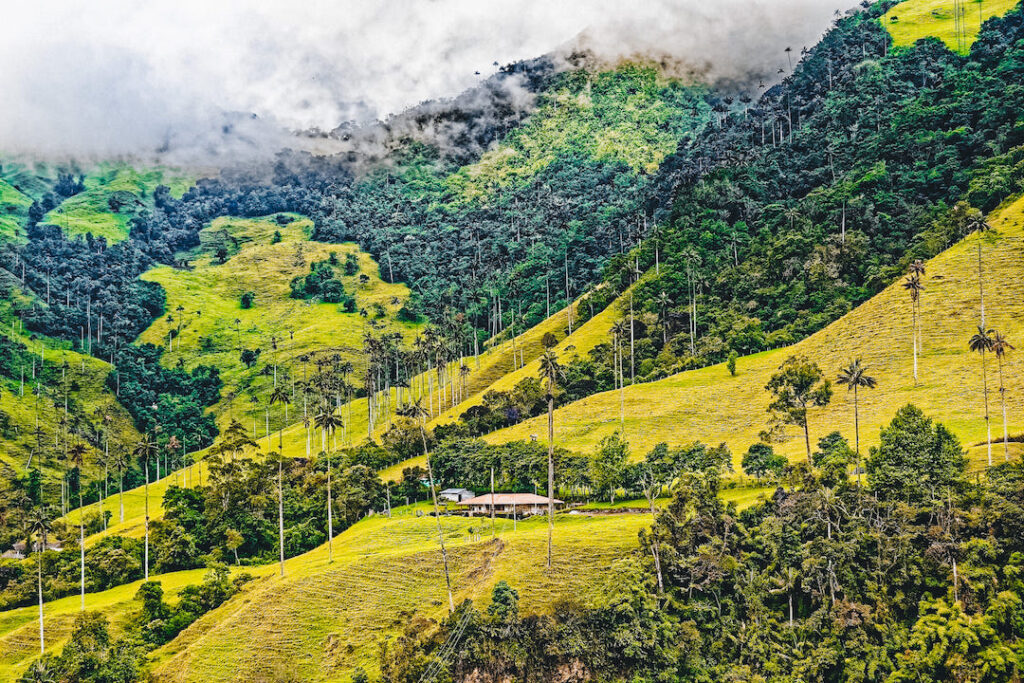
(208,80)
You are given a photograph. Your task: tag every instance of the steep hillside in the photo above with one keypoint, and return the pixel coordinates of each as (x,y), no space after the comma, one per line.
(112,195)
(584,337)
(327,618)
(322,620)
(633,114)
(910,21)
(13,211)
(19,628)
(207,324)
(711,406)
(50,398)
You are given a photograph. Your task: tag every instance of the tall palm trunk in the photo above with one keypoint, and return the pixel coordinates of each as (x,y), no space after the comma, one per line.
(1002,401)
(913,308)
(81,538)
(120,494)
(146,565)
(551,468)
(39,557)
(988,423)
(437,517)
(280,507)
(330,513)
(280,491)
(807,436)
(856,431)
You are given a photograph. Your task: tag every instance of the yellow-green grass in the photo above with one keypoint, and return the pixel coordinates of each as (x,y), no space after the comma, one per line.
(504,357)
(235,233)
(89,211)
(394,473)
(33,181)
(134,500)
(910,21)
(633,114)
(582,340)
(19,628)
(711,406)
(13,210)
(322,619)
(204,303)
(743,497)
(86,377)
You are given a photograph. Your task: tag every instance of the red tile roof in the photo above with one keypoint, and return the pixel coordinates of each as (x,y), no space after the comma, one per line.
(509,499)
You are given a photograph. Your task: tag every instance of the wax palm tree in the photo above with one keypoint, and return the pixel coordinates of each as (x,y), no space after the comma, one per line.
(619,332)
(663,315)
(1000,345)
(913,285)
(120,462)
(417,412)
(327,422)
(979,226)
(39,526)
(280,395)
(854,376)
(77,455)
(551,371)
(982,343)
(173,446)
(144,449)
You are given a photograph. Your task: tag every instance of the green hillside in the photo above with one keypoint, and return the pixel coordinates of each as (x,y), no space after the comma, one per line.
(631,114)
(13,210)
(910,21)
(209,326)
(42,373)
(130,190)
(386,572)
(712,406)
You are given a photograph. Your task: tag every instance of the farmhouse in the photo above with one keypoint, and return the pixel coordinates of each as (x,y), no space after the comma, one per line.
(520,504)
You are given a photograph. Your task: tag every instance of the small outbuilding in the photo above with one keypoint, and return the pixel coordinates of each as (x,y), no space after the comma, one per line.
(456,495)
(518,504)
(19,550)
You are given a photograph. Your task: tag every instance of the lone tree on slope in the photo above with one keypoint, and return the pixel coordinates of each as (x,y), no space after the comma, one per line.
(550,371)
(913,285)
(1000,345)
(798,386)
(853,377)
(982,343)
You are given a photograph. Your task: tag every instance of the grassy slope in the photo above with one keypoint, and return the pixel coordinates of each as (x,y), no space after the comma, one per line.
(583,338)
(209,295)
(324,619)
(19,628)
(92,395)
(88,211)
(711,406)
(13,211)
(495,364)
(632,114)
(913,20)
(88,373)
